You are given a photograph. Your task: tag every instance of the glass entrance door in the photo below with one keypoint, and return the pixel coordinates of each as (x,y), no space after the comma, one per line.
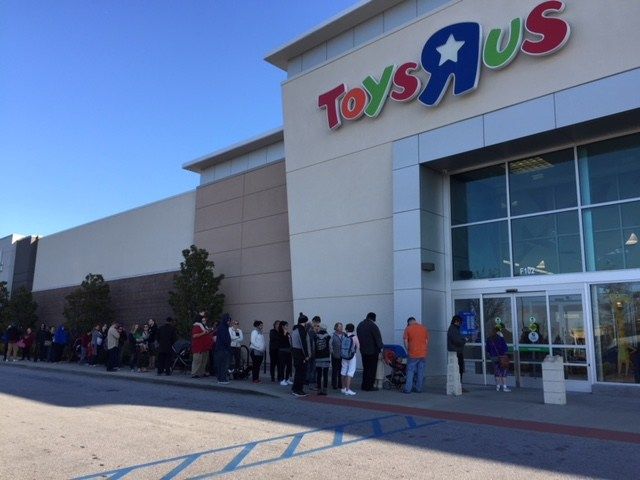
(534,324)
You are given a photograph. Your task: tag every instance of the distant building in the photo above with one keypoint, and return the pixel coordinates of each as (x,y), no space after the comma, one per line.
(18,260)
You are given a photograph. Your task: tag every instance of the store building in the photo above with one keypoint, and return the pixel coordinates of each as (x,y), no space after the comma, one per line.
(480,158)
(437,158)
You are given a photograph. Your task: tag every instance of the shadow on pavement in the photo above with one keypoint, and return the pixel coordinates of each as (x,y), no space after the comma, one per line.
(526,448)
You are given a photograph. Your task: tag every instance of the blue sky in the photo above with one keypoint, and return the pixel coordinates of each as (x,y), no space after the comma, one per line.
(101,102)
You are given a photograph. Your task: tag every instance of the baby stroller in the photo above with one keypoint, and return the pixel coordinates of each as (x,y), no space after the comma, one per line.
(182,355)
(396,357)
(242,371)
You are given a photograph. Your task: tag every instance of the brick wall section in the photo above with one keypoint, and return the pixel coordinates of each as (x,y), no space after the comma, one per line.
(134,299)
(242,222)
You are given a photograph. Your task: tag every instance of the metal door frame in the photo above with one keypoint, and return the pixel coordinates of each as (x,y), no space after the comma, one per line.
(481,294)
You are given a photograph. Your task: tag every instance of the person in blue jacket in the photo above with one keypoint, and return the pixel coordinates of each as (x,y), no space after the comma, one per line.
(497,349)
(60,340)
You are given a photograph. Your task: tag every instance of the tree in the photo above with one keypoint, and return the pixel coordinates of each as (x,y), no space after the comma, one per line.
(4,305)
(196,289)
(88,305)
(22,309)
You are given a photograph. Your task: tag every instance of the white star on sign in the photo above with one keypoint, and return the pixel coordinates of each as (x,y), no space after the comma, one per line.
(449,51)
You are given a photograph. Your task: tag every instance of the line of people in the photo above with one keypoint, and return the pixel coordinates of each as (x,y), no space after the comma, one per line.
(300,357)
(46,344)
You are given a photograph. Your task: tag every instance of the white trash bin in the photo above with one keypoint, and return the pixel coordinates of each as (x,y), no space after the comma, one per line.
(553,385)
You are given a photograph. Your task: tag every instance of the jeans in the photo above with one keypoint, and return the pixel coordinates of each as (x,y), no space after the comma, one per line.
(415,368)
(284,364)
(336,378)
(83,355)
(163,363)
(369,367)
(256,362)
(222,358)
(274,365)
(300,371)
(322,378)
(112,358)
(311,372)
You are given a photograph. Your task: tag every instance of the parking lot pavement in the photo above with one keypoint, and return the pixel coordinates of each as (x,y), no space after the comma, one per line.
(589,414)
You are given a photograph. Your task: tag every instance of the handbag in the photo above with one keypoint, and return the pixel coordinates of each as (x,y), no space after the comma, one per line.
(504,361)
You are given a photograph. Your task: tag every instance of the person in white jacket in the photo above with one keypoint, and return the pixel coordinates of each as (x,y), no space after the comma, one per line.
(256,349)
(236,342)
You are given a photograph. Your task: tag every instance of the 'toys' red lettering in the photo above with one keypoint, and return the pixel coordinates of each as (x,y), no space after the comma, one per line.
(406,85)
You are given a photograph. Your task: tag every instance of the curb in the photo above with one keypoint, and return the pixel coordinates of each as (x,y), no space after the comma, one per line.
(161,380)
(493,421)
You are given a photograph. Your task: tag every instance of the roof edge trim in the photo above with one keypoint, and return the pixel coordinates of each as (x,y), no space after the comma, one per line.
(236,150)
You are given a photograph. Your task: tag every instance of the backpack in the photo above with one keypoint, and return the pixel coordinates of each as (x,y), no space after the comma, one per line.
(348,349)
(323,346)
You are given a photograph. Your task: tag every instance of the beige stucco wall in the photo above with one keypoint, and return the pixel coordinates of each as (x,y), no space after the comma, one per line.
(242,222)
(143,241)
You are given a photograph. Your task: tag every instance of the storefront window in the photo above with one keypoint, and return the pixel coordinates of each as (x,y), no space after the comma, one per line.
(616,324)
(543,183)
(546,244)
(611,236)
(479,195)
(610,170)
(544,214)
(481,251)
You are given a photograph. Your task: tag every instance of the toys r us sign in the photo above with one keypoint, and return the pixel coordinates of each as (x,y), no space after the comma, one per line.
(453,52)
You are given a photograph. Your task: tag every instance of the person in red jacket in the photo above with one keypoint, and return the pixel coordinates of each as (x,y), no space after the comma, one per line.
(28,339)
(201,343)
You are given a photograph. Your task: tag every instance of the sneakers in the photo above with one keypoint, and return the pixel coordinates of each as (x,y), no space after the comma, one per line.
(284,383)
(498,388)
(299,394)
(289,382)
(506,389)
(343,390)
(349,392)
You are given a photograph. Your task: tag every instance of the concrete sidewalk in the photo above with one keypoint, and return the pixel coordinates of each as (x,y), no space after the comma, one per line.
(605,411)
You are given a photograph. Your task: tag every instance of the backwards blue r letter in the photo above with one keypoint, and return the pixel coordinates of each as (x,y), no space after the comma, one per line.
(454,51)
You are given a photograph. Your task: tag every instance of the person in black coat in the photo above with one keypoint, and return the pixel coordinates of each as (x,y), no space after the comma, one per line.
(370,347)
(273,350)
(222,352)
(166,336)
(41,337)
(456,342)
